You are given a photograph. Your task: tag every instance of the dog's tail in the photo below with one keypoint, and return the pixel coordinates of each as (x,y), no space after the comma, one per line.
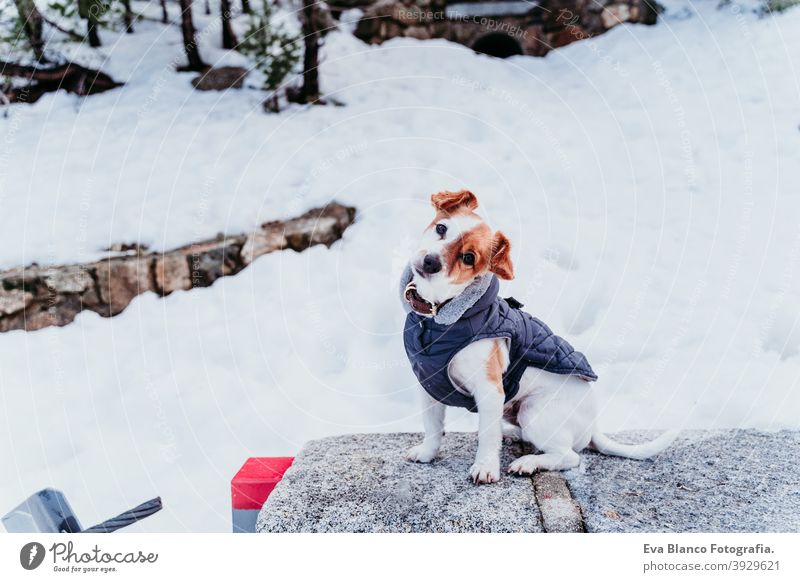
(639,452)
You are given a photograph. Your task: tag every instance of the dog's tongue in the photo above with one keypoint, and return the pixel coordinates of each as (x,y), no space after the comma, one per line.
(417,303)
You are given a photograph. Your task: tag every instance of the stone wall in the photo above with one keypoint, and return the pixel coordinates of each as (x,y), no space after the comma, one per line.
(547,25)
(35,297)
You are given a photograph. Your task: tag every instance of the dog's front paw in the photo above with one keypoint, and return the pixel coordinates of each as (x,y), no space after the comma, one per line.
(421,453)
(485,471)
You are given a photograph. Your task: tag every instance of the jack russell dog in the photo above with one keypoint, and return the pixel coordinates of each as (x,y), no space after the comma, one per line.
(472,349)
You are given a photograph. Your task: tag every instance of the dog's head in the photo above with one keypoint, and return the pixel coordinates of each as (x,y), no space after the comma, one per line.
(456,248)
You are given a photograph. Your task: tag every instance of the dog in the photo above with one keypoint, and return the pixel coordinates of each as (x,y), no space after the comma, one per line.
(472,349)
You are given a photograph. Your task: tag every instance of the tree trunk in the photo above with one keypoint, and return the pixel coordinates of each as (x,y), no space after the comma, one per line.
(91,11)
(311,53)
(164,13)
(91,29)
(32,19)
(128,16)
(246,7)
(228,37)
(189,40)
(208,7)
(648,11)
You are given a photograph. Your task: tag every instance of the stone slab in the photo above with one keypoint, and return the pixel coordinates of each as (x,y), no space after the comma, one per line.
(362,483)
(720,481)
(707,481)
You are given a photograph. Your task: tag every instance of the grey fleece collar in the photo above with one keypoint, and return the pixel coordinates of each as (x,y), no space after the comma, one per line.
(452,311)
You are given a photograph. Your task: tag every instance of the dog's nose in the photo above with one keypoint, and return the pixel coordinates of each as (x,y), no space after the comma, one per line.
(431,264)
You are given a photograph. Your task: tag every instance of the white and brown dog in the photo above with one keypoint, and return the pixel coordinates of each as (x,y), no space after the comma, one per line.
(470,348)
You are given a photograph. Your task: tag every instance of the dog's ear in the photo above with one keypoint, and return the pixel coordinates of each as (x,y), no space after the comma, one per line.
(501,257)
(449,202)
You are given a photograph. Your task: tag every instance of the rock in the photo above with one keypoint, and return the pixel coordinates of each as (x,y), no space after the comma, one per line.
(707,481)
(566,36)
(21,278)
(58,314)
(172,273)
(615,14)
(119,280)
(14,300)
(261,242)
(68,279)
(547,24)
(362,483)
(354,3)
(36,297)
(318,226)
(310,231)
(208,263)
(389,29)
(382,8)
(128,248)
(368,29)
(419,32)
(407,15)
(753,485)
(220,79)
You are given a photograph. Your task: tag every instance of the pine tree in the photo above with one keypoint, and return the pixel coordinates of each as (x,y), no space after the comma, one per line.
(189,39)
(311,53)
(275,51)
(92,11)
(127,16)
(228,37)
(32,22)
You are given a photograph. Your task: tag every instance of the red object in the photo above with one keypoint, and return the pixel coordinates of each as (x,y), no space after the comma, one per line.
(251,486)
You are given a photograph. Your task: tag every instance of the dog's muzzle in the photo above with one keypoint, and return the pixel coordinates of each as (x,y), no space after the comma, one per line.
(418,304)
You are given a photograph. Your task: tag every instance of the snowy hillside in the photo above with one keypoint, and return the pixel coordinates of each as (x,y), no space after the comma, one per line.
(649,180)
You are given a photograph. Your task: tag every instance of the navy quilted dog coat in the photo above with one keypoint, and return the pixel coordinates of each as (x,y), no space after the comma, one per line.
(430,346)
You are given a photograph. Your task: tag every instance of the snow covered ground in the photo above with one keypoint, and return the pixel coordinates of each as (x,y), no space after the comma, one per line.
(649,180)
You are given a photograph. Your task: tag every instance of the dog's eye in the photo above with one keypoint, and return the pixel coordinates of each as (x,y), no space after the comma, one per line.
(468,258)
(441,229)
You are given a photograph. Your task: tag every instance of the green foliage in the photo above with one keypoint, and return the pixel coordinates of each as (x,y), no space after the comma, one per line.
(12,27)
(93,9)
(276,51)
(763,8)
(65,8)
(71,18)
(105,13)
(779,5)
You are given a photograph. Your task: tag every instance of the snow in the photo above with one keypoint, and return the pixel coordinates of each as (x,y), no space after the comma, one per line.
(648,180)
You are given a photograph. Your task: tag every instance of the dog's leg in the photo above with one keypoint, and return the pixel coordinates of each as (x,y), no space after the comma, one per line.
(478,369)
(486,468)
(433,422)
(547,424)
(511,431)
(557,453)
(554,461)
(510,423)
